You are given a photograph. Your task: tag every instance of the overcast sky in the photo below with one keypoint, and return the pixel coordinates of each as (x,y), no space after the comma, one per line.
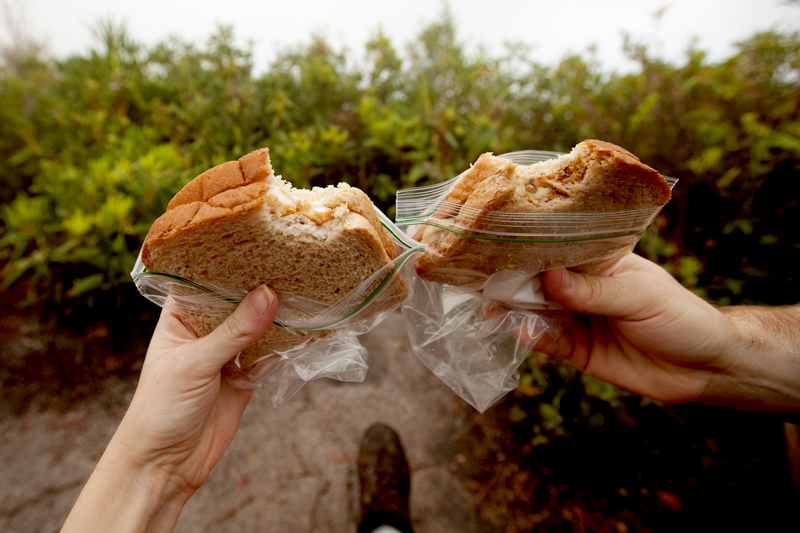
(554,27)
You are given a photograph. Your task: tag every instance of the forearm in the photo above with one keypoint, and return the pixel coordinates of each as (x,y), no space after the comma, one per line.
(762,361)
(124,497)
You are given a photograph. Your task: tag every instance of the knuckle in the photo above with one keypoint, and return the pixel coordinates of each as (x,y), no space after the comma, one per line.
(594,289)
(237,329)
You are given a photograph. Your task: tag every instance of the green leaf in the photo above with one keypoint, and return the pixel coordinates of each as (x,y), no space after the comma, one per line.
(451,139)
(785,141)
(551,417)
(539,440)
(517,414)
(15,269)
(79,223)
(743,225)
(20,156)
(730,175)
(86,284)
(643,112)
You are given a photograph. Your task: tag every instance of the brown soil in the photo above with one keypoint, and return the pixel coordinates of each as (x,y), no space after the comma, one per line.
(646,468)
(52,360)
(653,469)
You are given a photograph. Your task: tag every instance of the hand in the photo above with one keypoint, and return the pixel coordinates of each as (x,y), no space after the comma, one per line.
(184,416)
(181,420)
(640,330)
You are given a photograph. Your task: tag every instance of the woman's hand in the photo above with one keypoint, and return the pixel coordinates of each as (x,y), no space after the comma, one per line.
(181,420)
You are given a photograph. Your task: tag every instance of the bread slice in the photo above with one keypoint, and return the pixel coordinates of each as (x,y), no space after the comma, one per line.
(595,177)
(238,225)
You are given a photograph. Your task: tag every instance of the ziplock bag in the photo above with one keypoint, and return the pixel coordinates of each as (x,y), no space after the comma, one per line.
(480,281)
(315,340)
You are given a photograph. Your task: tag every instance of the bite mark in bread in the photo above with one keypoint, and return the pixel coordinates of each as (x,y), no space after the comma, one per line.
(595,177)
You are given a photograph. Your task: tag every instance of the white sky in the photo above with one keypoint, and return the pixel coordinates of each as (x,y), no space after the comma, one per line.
(554,27)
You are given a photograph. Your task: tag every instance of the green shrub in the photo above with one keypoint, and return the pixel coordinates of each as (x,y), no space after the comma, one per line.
(555,400)
(82,229)
(92,146)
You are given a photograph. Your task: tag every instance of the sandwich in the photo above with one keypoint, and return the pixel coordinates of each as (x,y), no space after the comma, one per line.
(503,216)
(238,226)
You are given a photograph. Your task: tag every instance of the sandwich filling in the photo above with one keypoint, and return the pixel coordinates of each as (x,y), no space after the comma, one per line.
(319,205)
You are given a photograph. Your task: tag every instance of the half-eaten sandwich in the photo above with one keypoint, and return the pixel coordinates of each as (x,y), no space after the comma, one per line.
(238,225)
(595,177)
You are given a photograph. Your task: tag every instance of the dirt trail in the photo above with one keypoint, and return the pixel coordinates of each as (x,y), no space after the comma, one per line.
(645,469)
(289,469)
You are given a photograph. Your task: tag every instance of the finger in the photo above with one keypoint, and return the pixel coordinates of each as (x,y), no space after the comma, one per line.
(572,344)
(621,295)
(243,327)
(494,311)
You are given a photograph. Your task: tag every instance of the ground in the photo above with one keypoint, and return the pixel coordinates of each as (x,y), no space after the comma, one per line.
(684,468)
(646,468)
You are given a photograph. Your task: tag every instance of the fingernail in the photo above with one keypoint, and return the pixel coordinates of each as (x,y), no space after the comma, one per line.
(567,280)
(260,300)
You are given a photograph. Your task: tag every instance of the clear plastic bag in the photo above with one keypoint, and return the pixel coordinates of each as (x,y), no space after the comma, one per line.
(477,357)
(317,340)
(496,259)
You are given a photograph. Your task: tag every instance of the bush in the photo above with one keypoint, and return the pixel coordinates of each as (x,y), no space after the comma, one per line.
(81,229)
(93,146)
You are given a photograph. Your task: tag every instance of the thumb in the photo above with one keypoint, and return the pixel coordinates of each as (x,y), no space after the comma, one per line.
(595,295)
(243,327)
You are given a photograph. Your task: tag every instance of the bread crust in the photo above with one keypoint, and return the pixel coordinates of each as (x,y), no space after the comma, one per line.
(596,177)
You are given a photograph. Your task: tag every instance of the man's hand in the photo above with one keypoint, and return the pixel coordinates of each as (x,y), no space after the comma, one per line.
(639,329)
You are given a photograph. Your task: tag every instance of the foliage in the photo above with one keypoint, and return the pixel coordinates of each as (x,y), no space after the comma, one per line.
(553,399)
(93,146)
(80,230)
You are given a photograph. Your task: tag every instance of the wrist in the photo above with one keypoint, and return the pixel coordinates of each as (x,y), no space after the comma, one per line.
(759,366)
(123,495)
(158,480)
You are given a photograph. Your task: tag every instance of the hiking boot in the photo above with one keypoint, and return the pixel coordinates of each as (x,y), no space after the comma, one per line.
(385,481)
